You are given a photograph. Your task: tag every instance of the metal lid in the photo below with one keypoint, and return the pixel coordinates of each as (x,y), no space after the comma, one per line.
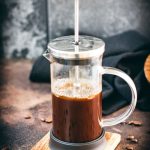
(65,48)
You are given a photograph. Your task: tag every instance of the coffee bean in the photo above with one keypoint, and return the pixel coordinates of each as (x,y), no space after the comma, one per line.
(130,137)
(123,123)
(48,120)
(129,147)
(27,117)
(134,141)
(135,123)
(42,119)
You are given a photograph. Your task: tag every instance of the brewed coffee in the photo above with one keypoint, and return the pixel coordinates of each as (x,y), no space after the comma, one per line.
(76,111)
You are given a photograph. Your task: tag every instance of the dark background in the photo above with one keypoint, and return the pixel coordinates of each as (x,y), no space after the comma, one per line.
(26,26)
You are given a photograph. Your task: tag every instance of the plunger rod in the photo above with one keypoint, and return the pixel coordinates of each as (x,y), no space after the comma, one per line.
(76,27)
(76,22)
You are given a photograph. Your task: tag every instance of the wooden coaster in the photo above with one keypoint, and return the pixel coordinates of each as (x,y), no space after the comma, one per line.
(113,139)
(147,68)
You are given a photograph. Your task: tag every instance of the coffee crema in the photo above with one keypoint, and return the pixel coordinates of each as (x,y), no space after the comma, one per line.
(77,111)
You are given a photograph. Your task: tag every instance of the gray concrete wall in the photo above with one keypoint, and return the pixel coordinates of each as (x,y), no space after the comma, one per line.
(24,27)
(100,18)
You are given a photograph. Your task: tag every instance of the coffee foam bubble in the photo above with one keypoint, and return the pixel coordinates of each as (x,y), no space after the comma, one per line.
(68,88)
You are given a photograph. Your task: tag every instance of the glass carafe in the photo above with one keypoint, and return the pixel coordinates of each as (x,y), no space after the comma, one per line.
(76,83)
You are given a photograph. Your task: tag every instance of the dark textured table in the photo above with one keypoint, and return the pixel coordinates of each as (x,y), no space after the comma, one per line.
(19,98)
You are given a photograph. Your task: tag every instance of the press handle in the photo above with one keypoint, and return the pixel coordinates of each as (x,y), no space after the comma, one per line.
(116,120)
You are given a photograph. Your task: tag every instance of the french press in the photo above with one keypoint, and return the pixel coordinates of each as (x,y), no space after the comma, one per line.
(76,83)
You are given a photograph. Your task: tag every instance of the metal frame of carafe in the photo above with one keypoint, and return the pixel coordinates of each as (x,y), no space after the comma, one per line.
(98,144)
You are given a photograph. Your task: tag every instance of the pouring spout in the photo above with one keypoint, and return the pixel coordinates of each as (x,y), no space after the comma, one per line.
(46,54)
